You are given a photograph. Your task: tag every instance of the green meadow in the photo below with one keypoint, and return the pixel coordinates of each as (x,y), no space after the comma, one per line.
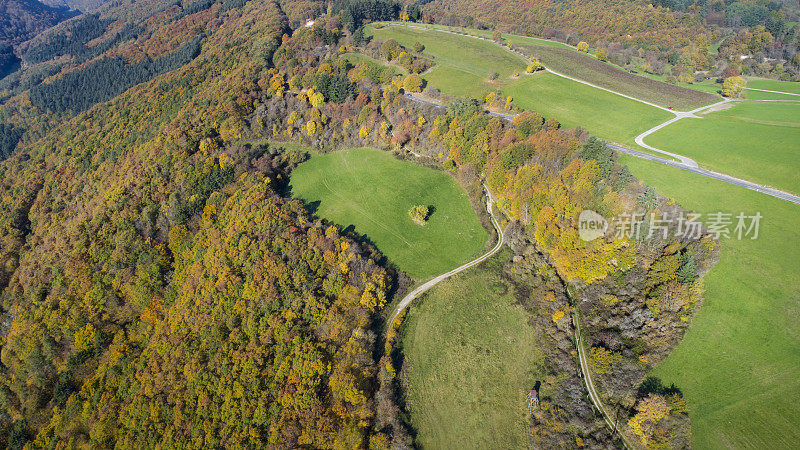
(463,64)
(373,191)
(575,104)
(757,141)
(584,67)
(774,85)
(471,358)
(739,364)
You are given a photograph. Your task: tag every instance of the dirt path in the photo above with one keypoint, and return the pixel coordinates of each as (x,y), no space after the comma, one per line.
(419,290)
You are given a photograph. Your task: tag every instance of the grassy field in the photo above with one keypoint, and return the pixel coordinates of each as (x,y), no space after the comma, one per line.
(463,64)
(472,357)
(774,85)
(356,58)
(758,95)
(574,104)
(758,141)
(739,364)
(373,191)
(584,67)
(567,60)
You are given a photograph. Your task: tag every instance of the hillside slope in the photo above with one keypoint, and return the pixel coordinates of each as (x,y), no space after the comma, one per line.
(628,21)
(155,288)
(80,5)
(20,20)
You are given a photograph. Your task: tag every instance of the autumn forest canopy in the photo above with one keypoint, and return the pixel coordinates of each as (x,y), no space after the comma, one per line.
(161,287)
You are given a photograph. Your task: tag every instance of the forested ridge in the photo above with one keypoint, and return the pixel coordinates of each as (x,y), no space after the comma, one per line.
(21,20)
(160,289)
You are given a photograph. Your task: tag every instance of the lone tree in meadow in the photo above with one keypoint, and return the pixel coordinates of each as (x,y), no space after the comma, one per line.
(733,86)
(419,214)
(534,66)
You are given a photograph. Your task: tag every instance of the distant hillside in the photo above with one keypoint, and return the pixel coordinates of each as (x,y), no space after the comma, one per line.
(668,38)
(80,5)
(628,21)
(20,20)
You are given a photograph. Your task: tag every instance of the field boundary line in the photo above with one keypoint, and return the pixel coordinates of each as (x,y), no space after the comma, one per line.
(772,92)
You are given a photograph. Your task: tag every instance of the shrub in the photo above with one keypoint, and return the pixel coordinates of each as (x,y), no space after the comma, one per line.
(413,83)
(534,66)
(419,214)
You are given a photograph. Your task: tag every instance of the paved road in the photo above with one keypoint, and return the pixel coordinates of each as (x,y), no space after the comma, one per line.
(709,173)
(411,296)
(678,116)
(681,163)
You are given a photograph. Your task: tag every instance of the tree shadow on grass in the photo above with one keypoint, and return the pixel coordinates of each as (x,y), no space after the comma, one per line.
(653,385)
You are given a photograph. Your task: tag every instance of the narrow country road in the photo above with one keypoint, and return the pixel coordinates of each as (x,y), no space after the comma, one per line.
(678,116)
(669,162)
(683,162)
(419,290)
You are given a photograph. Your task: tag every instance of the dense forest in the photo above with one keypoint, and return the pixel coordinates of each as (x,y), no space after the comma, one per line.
(181,300)
(160,289)
(21,20)
(106,78)
(80,5)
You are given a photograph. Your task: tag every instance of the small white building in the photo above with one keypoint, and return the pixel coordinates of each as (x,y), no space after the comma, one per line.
(309,23)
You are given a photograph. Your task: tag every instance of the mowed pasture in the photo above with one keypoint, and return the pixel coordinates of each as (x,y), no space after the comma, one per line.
(581,66)
(602,113)
(757,141)
(373,191)
(739,364)
(789,91)
(567,60)
(471,358)
(463,64)
(774,85)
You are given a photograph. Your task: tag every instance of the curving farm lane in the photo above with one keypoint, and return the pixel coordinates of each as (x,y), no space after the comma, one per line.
(419,290)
